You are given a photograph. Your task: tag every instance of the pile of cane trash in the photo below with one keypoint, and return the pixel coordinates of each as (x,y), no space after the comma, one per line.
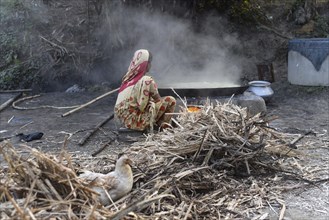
(218,162)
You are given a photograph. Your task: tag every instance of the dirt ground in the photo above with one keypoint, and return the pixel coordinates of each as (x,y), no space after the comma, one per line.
(301,109)
(298,108)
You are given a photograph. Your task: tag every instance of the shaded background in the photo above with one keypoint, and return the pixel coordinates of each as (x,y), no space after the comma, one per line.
(50,45)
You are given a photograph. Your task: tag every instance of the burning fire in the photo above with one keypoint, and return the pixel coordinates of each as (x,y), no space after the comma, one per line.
(193,109)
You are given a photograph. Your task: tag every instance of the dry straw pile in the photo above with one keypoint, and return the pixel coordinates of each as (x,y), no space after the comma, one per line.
(217,163)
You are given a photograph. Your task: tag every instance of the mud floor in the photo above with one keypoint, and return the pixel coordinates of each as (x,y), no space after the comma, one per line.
(299,109)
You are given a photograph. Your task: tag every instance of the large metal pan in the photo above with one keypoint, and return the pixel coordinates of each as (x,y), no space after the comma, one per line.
(201,89)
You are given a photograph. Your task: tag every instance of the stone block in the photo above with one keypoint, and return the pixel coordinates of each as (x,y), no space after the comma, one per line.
(255,104)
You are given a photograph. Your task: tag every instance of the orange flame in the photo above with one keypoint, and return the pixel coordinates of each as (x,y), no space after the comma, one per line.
(193,109)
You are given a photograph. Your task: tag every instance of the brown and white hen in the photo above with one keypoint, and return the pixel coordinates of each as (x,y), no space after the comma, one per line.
(117,183)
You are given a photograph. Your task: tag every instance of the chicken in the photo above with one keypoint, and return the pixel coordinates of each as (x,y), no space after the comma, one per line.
(117,183)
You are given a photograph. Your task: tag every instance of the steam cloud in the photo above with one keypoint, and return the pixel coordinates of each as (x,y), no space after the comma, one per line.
(179,53)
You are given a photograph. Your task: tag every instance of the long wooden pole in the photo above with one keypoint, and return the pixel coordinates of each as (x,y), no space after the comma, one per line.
(89,103)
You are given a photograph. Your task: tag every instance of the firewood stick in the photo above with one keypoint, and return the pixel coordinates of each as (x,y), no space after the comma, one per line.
(5,138)
(84,139)
(12,200)
(208,156)
(293,143)
(102,148)
(16,90)
(142,203)
(9,101)
(201,146)
(90,102)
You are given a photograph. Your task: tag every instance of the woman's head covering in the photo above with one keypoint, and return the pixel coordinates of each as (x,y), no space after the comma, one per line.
(136,69)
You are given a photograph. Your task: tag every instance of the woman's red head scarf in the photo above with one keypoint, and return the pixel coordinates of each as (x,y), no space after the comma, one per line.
(136,69)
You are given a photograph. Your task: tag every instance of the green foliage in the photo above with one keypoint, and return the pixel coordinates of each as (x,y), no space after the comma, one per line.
(219,5)
(17,68)
(243,11)
(297,4)
(18,76)
(322,26)
(10,65)
(7,41)
(8,7)
(247,12)
(8,54)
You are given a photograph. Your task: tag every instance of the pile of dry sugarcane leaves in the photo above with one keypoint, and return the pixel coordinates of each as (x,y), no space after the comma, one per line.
(216,163)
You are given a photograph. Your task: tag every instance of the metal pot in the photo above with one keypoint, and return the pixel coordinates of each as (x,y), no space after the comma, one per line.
(201,89)
(261,88)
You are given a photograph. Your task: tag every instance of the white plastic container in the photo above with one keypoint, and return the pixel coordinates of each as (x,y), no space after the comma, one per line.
(308,61)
